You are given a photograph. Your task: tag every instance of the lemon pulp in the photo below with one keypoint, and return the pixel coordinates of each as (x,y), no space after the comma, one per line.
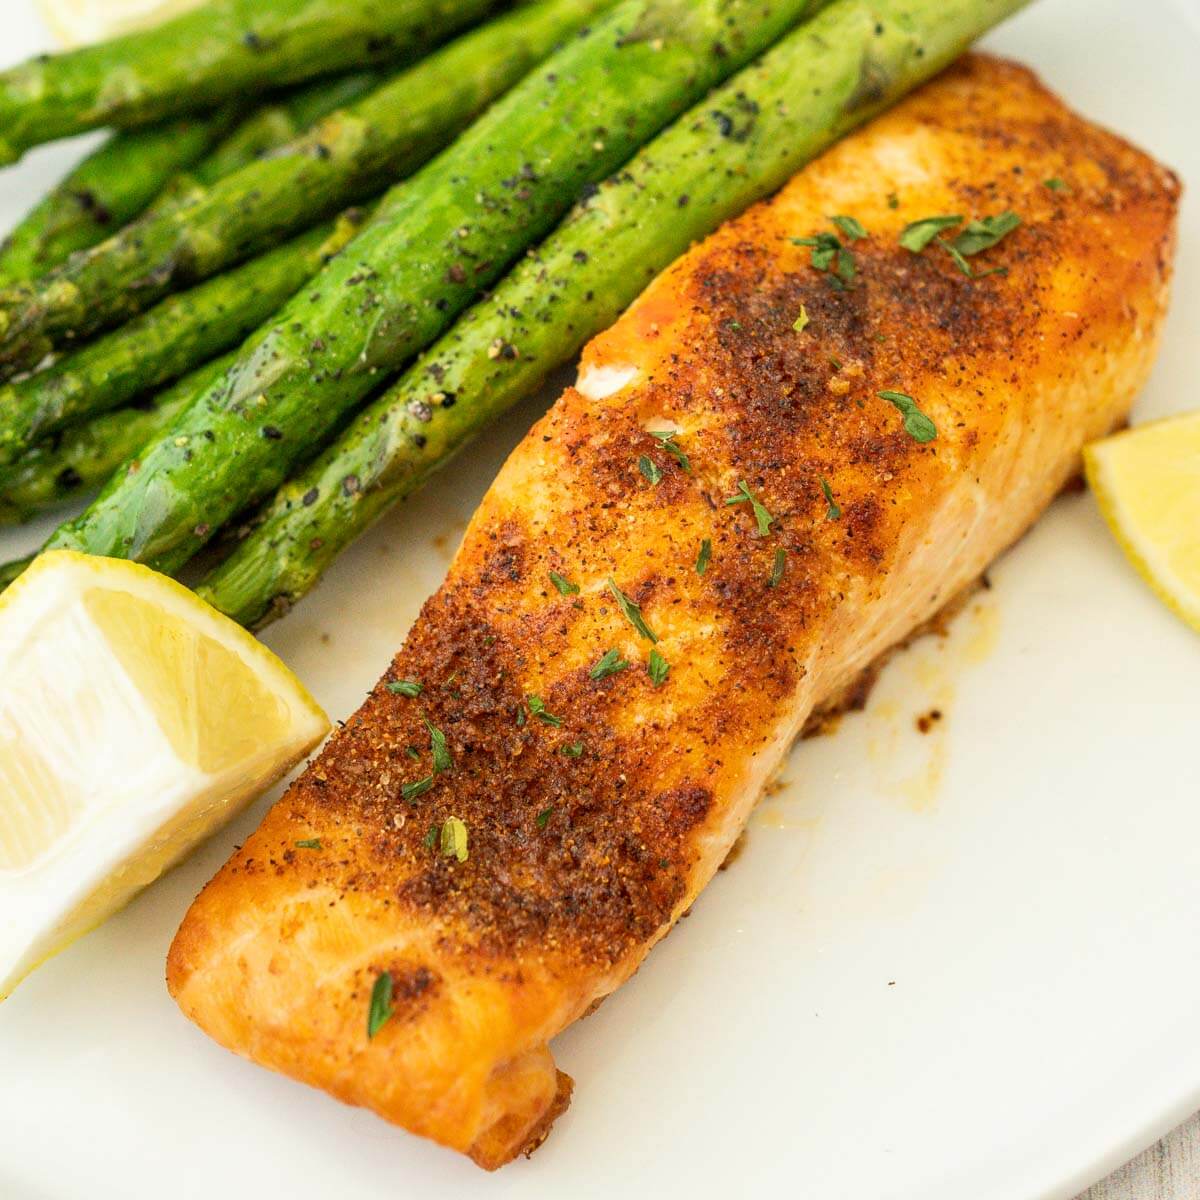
(1147,483)
(134,719)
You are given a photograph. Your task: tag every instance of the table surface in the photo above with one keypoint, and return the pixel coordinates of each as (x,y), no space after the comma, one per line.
(1169,1170)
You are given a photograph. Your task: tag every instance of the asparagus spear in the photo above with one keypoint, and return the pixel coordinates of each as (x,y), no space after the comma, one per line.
(82,457)
(265,130)
(438,240)
(110,187)
(225,49)
(276,124)
(161,345)
(351,154)
(739,145)
(134,168)
(11,570)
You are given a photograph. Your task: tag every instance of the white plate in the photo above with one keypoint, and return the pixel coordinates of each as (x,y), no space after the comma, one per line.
(963,966)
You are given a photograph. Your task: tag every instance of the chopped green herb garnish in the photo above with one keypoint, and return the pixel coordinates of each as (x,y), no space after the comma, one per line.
(437,743)
(658,668)
(746,496)
(573,749)
(410,791)
(537,706)
(565,586)
(610,663)
(964,266)
(309,844)
(704,557)
(630,611)
(666,441)
(960,262)
(380,1010)
(543,818)
(893,201)
(1057,185)
(985,233)
(520,716)
(801,321)
(453,840)
(825,248)
(833,512)
(412,752)
(829,253)
(916,235)
(650,469)
(405,687)
(777,570)
(974,238)
(916,424)
(850,228)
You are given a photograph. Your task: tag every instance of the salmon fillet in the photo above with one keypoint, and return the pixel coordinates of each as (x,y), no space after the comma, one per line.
(598,803)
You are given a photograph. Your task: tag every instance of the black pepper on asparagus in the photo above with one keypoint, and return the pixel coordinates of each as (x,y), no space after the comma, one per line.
(223,50)
(111,186)
(137,169)
(69,465)
(353,153)
(738,145)
(180,333)
(438,240)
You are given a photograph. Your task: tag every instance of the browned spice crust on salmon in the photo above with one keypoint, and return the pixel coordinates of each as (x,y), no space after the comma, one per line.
(595,820)
(612,875)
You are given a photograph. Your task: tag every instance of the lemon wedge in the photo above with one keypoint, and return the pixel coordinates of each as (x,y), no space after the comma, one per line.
(77,22)
(1147,483)
(134,720)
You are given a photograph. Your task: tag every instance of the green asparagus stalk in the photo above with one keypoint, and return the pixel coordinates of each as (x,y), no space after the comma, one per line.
(181,332)
(10,571)
(81,458)
(264,131)
(276,124)
(110,187)
(739,145)
(222,50)
(439,239)
(136,168)
(352,154)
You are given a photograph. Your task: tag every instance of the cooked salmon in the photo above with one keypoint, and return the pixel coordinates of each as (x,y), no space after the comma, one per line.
(786,456)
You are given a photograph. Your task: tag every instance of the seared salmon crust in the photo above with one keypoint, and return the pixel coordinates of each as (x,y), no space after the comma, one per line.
(598,803)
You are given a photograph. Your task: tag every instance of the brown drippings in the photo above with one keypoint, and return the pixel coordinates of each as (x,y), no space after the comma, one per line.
(926,721)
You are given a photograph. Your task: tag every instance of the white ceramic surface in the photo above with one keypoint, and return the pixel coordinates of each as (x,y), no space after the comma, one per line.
(961,966)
